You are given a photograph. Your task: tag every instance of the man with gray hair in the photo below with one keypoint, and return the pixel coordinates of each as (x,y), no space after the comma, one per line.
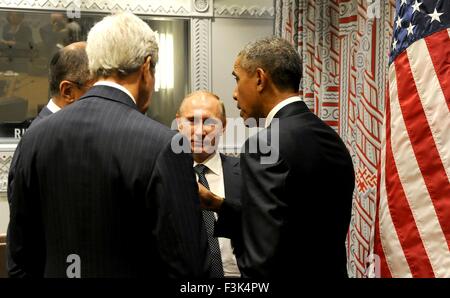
(119,202)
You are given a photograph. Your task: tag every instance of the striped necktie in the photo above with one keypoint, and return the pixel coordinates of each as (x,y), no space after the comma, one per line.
(209,219)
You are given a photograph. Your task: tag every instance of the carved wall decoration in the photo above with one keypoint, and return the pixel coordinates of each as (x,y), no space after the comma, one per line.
(6,154)
(244,11)
(201,54)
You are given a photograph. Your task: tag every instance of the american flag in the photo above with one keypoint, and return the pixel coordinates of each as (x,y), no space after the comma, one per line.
(412,229)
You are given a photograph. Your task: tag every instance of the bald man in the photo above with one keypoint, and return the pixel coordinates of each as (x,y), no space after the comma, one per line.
(69,78)
(202,119)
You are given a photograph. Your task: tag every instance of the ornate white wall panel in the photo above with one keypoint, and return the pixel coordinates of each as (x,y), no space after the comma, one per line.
(244,9)
(6,154)
(200,54)
(149,7)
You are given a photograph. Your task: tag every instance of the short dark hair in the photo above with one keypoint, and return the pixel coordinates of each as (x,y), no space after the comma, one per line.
(277,57)
(68,64)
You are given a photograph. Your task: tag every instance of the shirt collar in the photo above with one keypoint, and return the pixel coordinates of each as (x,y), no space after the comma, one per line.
(278,107)
(214,163)
(115,85)
(52,106)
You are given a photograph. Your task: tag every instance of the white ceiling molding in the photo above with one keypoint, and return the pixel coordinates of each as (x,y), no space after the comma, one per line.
(183,8)
(242,11)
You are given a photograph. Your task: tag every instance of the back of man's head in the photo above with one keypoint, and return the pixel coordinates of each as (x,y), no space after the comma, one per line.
(71,64)
(119,44)
(277,57)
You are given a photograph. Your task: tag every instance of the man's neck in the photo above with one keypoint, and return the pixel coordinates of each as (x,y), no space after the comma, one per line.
(274,99)
(201,157)
(128,83)
(59,101)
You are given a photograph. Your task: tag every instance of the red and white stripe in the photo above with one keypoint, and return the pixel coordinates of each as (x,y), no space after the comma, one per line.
(413,215)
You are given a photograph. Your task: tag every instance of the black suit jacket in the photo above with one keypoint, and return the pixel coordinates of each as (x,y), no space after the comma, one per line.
(296,210)
(100,180)
(42,114)
(228,224)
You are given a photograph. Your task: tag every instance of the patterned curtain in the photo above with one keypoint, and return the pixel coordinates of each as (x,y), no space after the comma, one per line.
(345,47)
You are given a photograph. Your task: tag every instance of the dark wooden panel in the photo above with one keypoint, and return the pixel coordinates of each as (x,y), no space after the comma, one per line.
(3,256)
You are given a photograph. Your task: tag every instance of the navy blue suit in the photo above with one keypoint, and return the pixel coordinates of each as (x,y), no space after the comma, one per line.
(42,114)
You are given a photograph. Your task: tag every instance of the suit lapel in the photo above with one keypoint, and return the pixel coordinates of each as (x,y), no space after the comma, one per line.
(45,112)
(230,175)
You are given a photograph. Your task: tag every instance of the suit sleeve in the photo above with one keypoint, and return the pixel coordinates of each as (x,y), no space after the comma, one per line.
(179,230)
(263,213)
(25,244)
(228,216)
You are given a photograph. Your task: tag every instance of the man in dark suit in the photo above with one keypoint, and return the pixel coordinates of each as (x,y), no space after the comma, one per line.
(98,190)
(69,78)
(202,119)
(298,176)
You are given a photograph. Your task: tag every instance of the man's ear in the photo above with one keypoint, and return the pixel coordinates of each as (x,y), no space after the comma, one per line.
(261,79)
(179,122)
(224,125)
(65,91)
(147,65)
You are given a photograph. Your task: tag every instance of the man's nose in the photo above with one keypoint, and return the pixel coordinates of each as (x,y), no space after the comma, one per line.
(198,129)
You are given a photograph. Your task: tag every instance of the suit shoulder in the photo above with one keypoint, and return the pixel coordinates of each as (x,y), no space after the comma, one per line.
(230,159)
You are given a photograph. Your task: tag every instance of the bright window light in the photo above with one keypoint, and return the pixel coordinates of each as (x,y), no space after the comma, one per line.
(164,68)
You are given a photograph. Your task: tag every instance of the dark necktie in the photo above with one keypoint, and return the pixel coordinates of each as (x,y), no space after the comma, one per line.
(209,219)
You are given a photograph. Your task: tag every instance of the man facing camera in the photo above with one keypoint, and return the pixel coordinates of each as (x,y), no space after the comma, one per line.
(98,190)
(202,119)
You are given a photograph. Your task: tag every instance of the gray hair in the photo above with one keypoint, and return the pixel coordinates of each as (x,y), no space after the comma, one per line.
(120,44)
(277,57)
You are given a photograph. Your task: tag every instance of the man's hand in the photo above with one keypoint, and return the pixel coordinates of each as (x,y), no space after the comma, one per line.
(208,200)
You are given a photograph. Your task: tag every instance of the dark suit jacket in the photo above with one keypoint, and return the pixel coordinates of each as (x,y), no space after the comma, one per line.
(228,224)
(42,114)
(100,180)
(296,210)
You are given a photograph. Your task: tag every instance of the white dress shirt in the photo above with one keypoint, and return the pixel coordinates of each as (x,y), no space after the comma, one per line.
(214,176)
(115,85)
(278,107)
(52,106)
